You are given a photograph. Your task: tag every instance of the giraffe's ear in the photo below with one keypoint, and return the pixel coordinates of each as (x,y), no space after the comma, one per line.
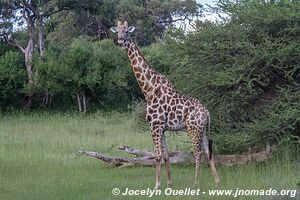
(131,29)
(113,29)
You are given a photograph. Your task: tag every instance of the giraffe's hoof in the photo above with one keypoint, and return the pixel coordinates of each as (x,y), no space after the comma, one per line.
(157,187)
(196,184)
(217,182)
(169,185)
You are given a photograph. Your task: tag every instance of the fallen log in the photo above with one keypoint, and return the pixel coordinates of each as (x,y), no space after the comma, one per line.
(147,158)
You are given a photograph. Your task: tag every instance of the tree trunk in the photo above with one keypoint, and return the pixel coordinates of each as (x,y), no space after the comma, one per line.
(79,101)
(50,99)
(84,103)
(46,98)
(42,52)
(28,53)
(41,37)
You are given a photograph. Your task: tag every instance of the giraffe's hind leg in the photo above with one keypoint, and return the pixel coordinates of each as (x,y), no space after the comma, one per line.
(195,134)
(209,156)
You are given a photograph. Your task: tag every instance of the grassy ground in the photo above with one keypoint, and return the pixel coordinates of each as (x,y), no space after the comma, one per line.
(38,160)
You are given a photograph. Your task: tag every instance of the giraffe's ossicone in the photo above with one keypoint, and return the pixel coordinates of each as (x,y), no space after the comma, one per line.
(167,109)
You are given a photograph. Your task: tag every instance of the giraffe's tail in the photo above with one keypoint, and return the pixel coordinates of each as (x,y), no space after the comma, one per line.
(210,141)
(207,143)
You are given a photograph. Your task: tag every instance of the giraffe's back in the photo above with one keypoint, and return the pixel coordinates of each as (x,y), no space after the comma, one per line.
(174,109)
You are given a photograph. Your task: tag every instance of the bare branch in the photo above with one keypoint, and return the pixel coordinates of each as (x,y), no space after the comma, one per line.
(9,40)
(136,152)
(29,5)
(171,21)
(119,161)
(48,14)
(29,13)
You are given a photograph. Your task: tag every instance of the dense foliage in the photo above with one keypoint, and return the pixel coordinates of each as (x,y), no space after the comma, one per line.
(86,71)
(245,69)
(12,79)
(151,19)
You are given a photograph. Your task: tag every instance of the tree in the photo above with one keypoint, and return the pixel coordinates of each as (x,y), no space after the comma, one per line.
(51,76)
(84,70)
(9,10)
(33,15)
(152,18)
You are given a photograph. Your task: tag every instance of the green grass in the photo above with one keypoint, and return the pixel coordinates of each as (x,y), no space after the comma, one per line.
(38,160)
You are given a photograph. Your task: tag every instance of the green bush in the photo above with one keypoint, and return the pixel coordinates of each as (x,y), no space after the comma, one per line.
(12,79)
(97,71)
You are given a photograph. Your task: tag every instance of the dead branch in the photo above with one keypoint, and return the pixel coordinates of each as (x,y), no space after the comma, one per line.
(137,152)
(147,158)
(119,161)
(9,40)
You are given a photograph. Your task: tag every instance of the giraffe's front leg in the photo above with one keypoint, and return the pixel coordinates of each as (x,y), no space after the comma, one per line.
(157,133)
(167,161)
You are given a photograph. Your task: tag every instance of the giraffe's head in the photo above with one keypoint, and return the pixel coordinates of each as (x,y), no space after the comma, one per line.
(123,31)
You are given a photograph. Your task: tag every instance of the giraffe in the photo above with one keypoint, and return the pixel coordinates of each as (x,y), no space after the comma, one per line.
(167,109)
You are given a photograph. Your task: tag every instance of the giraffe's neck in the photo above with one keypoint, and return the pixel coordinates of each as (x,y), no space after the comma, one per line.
(148,78)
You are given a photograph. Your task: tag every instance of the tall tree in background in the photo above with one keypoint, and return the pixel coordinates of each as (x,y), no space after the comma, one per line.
(151,18)
(30,15)
(10,14)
